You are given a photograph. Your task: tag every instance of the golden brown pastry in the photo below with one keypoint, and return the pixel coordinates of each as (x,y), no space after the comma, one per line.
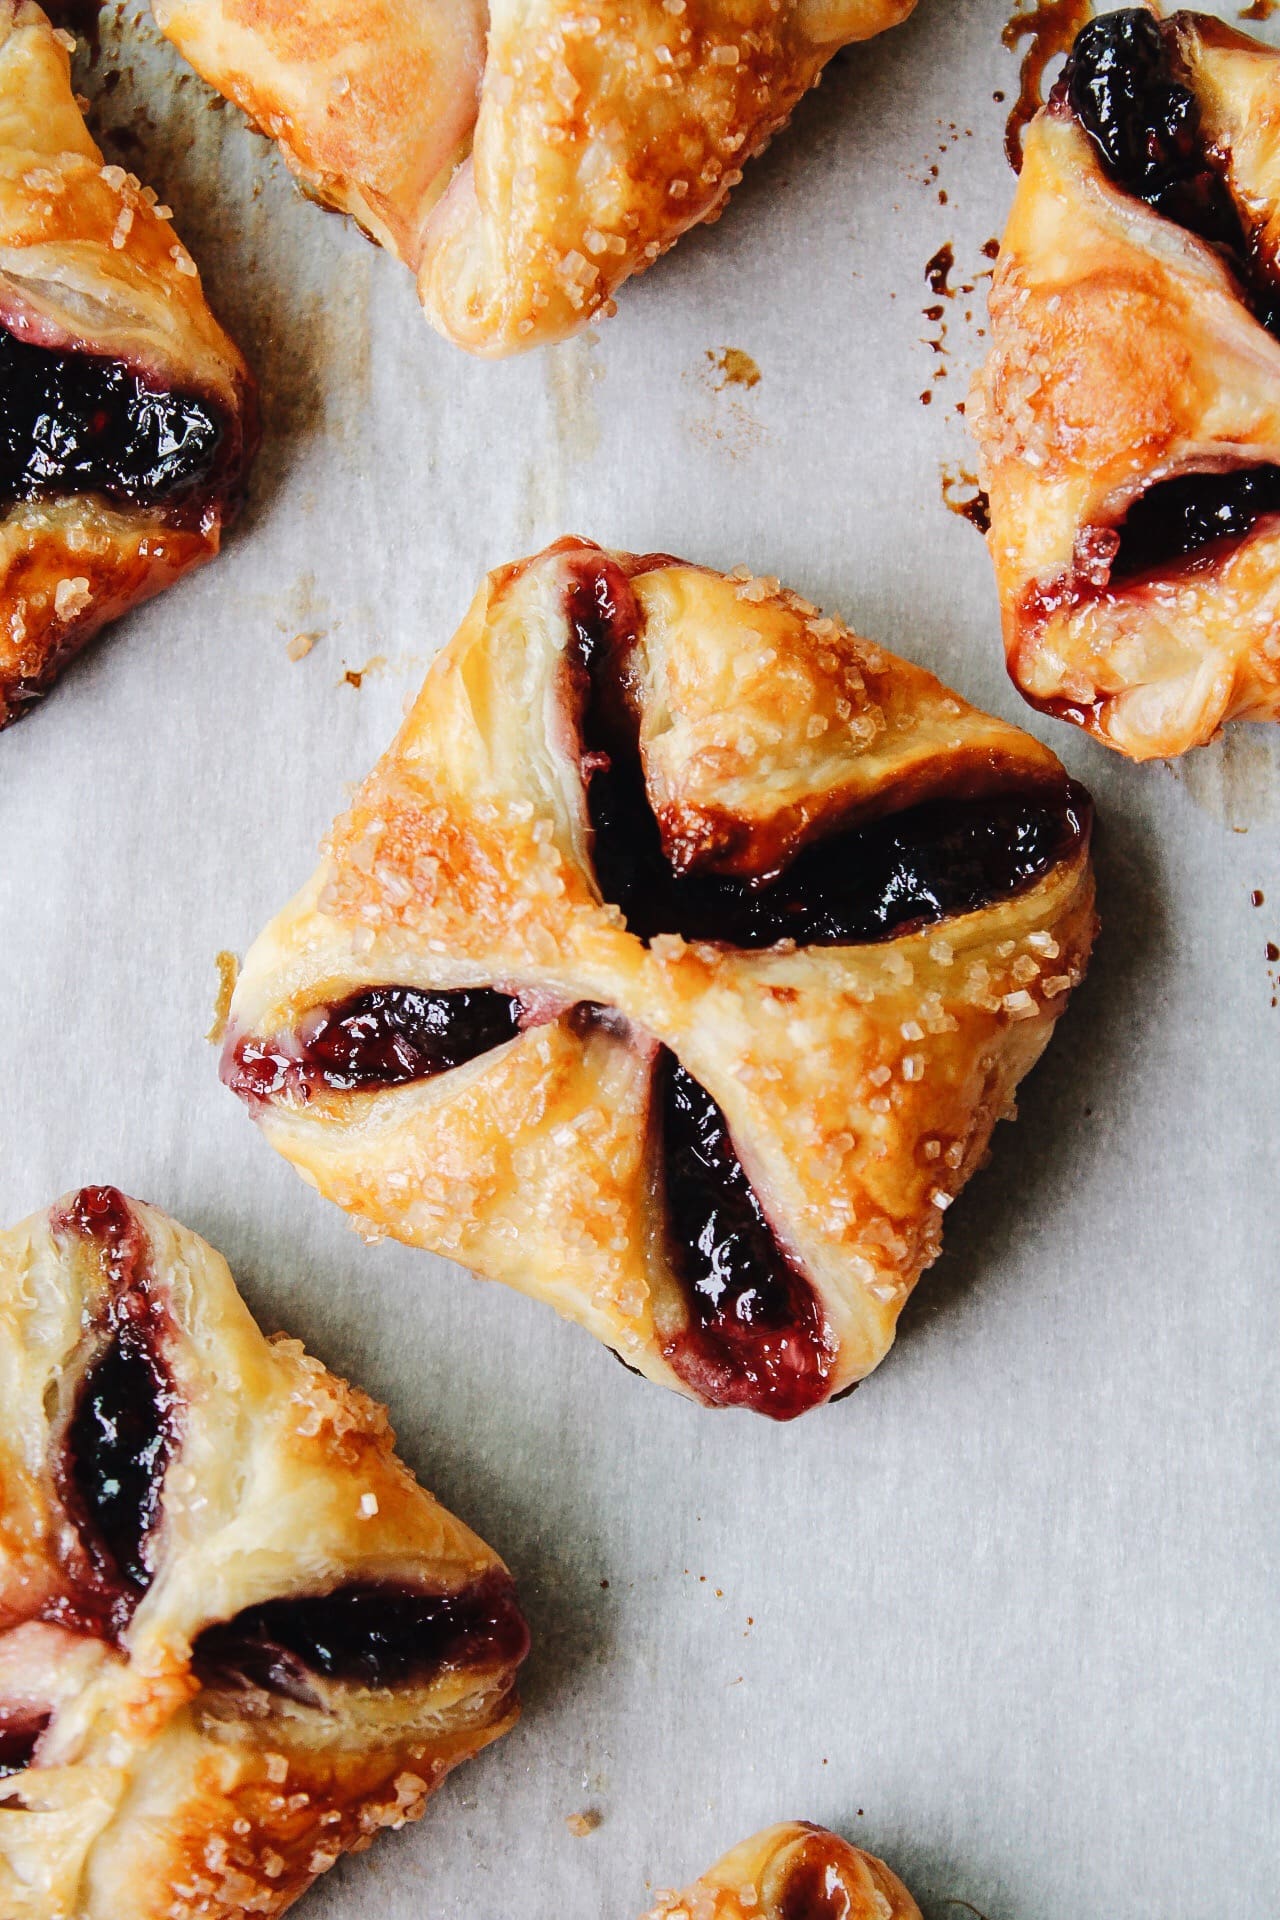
(236,1637)
(673,966)
(1128,418)
(792,1872)
(524,157)
(127,417)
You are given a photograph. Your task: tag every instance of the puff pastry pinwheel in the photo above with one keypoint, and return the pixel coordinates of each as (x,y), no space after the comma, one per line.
(523,157)
(236,1637)
(674,966)
(127,417)
(1128,418)
(792,1872)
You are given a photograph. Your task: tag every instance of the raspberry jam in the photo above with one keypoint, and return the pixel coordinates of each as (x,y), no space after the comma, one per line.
(77,423)
(368,1634)
(20,1732)
(756,1336)
(123,1426)
(854,885)
(1125,85)
(378,1037)
(1178,519)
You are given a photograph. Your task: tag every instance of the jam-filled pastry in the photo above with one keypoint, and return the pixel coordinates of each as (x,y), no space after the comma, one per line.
(523,157)
(1128,417)
(127,417)
(236,1636)
(792,1872)
(673,966)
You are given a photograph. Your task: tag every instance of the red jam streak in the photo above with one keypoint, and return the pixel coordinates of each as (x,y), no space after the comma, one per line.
(372,1634)
(123,1426)
(378,1037)
(756,1336)
(73,423)
(857,884)
(21,1729)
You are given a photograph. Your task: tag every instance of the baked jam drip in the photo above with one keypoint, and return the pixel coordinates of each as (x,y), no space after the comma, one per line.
(756,1336)
(368,1634)
(815,1888)
(20,1732)
(378,1037)
(1124,84)
(123,1426)
(77,423)
(1177,519)
(856,885)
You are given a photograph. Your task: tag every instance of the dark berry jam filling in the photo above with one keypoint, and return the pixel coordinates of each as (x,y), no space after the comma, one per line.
(20,1732)
(76,423)
(123,1427)
(379,1037)
(756,1336)
(1177,519)
(857,884)
(1125,86)
(369,1634)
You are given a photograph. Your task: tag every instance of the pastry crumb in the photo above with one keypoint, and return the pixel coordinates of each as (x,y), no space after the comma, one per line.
(581,1824)
(228,973)
(301,644)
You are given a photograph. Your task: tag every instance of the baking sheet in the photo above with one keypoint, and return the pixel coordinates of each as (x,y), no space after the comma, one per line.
(1007,1616)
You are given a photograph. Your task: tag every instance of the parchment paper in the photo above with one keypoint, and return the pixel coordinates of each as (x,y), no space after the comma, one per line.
(1007,1616)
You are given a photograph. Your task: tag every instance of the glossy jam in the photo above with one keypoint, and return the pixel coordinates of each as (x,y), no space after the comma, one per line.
(123,1425)
(379,1037)
(816,1888)
(20,1731)
(369,1634)
(755,1335)
(1180,518)
(1124,85)
(857,884)
(75,423)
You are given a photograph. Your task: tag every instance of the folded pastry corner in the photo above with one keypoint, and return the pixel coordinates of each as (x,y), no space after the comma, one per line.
(523,160)
(237,1638)
(1128,416)
(673,966)
(128,416)
(792,1872)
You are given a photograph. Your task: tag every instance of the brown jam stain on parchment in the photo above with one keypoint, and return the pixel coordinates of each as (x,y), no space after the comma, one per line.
(735,367)
(962,496)
(1049,28)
